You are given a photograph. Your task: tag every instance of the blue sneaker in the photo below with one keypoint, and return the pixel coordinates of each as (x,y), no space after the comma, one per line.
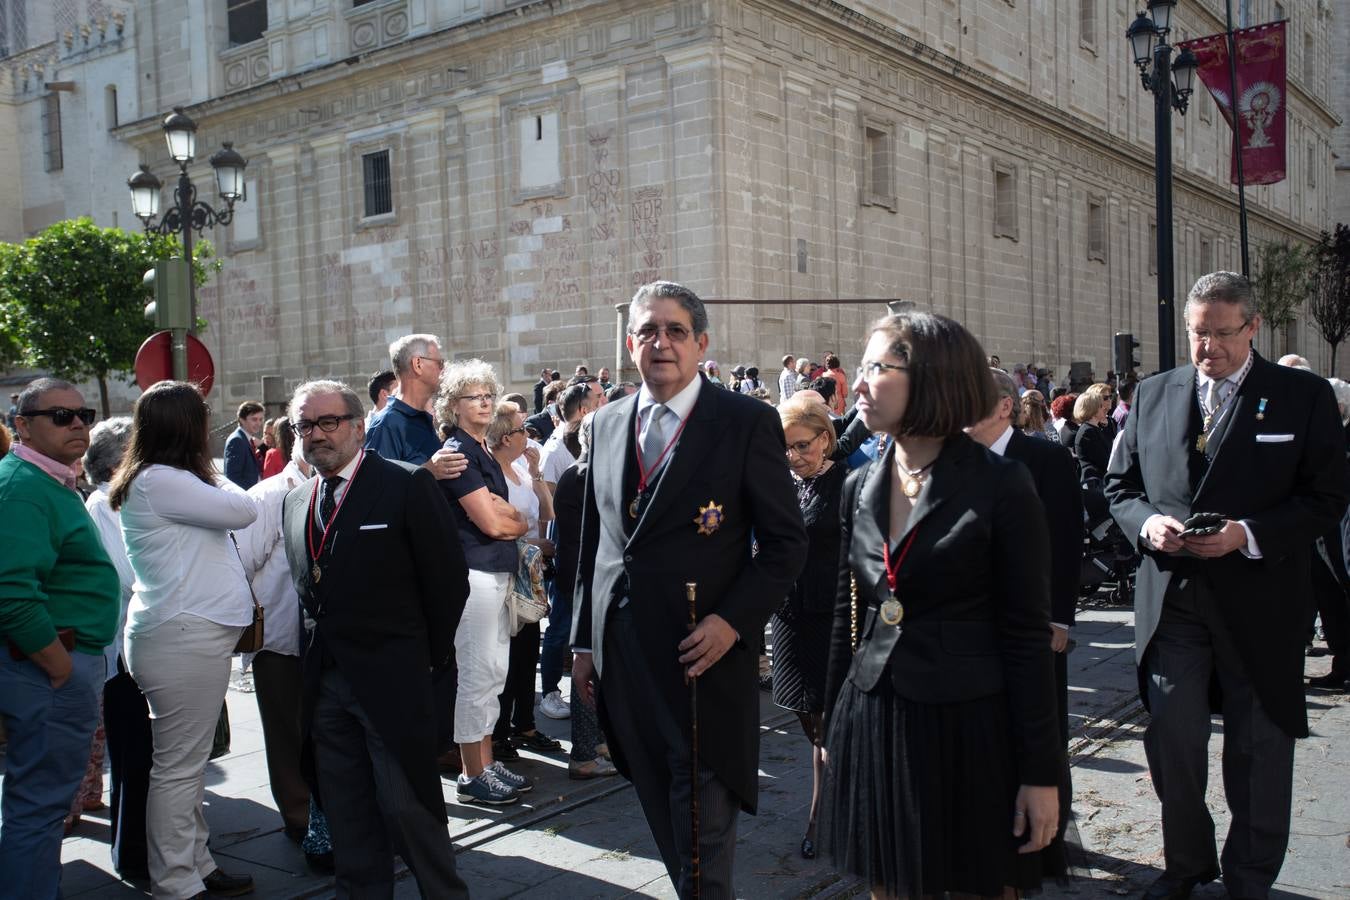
(519,783)
(486,788)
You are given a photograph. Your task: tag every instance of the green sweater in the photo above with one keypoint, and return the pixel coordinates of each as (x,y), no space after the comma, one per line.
(54,572)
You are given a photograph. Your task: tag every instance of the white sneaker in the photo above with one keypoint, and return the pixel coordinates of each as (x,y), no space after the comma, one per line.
(554,706)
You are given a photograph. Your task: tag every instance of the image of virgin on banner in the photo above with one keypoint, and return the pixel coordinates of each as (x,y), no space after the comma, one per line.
(1261,100)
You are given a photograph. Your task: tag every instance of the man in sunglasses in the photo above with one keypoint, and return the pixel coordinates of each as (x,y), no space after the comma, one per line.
(59,599)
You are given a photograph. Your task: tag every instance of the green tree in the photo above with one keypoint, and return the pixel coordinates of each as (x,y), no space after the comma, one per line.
(1330,303)
(1281,283)
(71,298)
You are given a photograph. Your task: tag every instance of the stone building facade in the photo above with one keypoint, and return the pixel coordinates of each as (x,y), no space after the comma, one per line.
(504,173)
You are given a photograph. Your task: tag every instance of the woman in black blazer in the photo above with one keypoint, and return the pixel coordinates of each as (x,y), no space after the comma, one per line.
(1092,443)
(945,763)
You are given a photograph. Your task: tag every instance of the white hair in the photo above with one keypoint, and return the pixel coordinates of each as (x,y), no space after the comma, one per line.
(1342,391)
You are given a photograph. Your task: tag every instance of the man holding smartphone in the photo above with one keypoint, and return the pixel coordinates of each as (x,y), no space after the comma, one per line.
(1222,598)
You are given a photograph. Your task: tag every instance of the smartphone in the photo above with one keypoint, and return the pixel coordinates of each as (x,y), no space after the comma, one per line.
(1202,524)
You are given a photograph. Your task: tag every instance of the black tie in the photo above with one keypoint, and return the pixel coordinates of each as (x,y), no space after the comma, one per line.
(328,505)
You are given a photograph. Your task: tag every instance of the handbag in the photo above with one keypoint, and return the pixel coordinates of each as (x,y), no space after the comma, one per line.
(251,638)
(526,600)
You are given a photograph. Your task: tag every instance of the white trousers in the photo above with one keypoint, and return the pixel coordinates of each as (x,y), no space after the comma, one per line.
(482,654)
(183,668)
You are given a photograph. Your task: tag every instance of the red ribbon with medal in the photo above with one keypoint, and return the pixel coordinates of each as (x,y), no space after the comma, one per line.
(315,572)
(645,473)
(892,611)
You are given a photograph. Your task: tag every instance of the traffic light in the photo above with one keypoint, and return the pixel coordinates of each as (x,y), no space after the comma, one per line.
(1125,357)
(171,303)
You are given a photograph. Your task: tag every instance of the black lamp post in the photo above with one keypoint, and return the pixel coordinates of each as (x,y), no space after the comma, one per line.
(1171,84)
(188,213)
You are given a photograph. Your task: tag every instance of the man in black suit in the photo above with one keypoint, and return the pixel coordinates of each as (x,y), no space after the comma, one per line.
(242,465)
(682,479)
(1056,477)
(379,569)
(1262,447)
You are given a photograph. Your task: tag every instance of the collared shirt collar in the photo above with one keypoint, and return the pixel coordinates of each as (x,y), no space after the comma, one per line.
(397,404)
(681,404)
(1000,446)
(61,472)
(1237,377)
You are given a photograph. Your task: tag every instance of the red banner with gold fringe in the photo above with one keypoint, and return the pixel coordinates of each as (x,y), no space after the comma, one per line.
(1261,95)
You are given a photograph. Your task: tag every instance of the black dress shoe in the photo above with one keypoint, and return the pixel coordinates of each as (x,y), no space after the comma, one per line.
(222,884)
(503,750)
(1334,681)
(321,862)
(536,741)
(1169,888)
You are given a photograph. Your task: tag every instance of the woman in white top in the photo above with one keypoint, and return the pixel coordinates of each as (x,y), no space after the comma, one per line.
(529,493)
(191,602)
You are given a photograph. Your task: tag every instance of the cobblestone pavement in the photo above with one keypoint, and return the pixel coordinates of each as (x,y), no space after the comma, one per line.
(578,840)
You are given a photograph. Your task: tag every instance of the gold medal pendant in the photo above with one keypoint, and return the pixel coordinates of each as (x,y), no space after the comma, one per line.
(633,507)
(911,487)
(315,573)
(892,611)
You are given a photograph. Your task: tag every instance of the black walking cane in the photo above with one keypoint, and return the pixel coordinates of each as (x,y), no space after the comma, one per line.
(691,592)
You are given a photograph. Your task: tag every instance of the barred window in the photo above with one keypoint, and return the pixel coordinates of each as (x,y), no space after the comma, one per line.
(51,133)
(379,189)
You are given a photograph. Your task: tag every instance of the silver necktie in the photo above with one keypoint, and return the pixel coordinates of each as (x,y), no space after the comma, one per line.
(654,439)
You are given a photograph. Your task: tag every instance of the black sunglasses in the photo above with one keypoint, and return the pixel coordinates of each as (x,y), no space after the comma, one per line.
(61,417)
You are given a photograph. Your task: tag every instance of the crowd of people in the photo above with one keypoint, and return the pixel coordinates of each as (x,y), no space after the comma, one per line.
(914,559)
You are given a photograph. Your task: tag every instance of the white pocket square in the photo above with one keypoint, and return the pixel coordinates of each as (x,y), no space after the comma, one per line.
(378,527)
(1274,438)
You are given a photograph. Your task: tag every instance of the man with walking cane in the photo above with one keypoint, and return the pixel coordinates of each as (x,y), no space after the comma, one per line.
(680,479)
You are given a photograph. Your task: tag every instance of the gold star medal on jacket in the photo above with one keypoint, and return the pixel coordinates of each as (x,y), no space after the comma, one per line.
(709,517)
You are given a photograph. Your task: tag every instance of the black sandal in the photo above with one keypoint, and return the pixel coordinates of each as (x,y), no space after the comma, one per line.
(536,741)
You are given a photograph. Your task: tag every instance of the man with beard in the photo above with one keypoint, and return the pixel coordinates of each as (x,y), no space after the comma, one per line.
(379,569)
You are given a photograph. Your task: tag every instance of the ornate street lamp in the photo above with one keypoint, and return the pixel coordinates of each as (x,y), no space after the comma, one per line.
(1171,84)
(187,214)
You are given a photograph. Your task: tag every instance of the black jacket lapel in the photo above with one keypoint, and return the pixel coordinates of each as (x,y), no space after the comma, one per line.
(697,440)
(1236,439)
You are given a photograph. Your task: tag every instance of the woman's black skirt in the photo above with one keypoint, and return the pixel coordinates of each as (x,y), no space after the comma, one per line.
(918,798)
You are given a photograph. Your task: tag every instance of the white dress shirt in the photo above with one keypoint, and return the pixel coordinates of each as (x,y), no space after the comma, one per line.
(110,534)
(1202,383)
(175,528)
(262,547)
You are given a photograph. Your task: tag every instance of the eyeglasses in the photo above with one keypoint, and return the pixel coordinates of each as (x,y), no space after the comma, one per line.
(801,447)
(675,333)
(1224,334)
(478,398)
(514,431)
(326,424)
(440,363)
(870,370)
(62,417)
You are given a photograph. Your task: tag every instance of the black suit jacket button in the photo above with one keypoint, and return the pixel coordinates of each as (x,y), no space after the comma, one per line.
(628,557)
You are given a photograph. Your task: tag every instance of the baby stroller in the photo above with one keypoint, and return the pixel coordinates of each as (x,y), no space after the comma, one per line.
(1108,557)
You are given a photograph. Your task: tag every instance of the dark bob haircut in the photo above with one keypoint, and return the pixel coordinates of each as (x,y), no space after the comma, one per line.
(949,384)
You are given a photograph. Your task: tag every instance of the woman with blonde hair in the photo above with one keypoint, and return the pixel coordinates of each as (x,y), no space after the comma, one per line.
(488,528)
(530,495)
(1092,444)
(1036,417)
(801,625)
